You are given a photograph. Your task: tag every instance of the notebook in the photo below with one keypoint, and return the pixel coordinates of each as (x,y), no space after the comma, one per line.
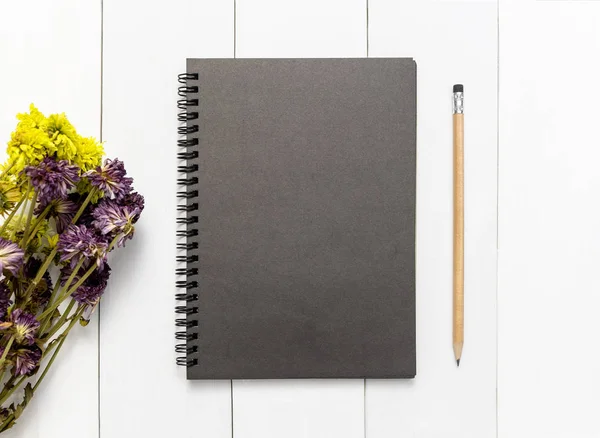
(297,218)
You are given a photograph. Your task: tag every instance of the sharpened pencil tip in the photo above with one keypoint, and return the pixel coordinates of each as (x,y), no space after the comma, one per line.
(457,362)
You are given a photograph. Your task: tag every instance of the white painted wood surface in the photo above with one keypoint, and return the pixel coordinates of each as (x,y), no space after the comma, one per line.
(143,393)
(549,233)
(452,42)
(547,222)
(50,56)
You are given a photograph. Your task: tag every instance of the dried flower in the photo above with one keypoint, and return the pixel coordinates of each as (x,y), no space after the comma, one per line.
(11,257)
(112,219)
(27,360)
(93,287)
(62,210)
(79,241)
(51,173)
(86,217)
(52,179)
(5,301)
(41,294)
(9,196)
(89,153)
(29,143)
(134,201)
(63,135)
(111,179)
(25,326)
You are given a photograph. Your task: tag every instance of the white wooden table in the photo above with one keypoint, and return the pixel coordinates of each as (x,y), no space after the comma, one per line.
(532,75)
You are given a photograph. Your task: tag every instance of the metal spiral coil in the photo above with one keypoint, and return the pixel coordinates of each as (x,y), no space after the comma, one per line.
(185,336)
(187,220)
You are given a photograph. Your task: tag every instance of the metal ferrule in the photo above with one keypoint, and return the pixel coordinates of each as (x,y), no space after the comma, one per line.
(458,103)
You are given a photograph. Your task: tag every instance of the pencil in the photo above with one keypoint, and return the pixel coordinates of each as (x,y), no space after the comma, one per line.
(458,307)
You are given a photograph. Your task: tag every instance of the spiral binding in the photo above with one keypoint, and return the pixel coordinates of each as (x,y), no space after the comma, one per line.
(186,276)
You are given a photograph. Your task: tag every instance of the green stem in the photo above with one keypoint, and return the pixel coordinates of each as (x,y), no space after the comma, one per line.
(38,224)
(71,277)
(12,390)
(62,319)
(57,287)
(3,426)
(46,369)
(5,171)
(84,205)
(7,386)
(29,216)
(51,347)
(12,213)
(8,345)
(14,231)
(42,271)
(69,292)
(59,346)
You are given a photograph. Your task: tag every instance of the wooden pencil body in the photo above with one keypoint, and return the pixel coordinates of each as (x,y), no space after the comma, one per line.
(459,224)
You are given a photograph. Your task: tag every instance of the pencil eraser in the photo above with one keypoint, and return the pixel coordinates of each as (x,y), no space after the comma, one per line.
(458,88)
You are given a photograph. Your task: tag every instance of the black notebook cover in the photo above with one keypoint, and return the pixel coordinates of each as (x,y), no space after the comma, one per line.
(305,207)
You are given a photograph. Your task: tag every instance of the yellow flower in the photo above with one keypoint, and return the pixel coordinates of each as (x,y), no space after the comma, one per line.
(37,137)
(9,196)
(52,241)
(33,119)
(63,136)
(29,143)
(89,153)
(28,146)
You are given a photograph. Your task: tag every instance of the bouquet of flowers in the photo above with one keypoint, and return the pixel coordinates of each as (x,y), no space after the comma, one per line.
(64,211)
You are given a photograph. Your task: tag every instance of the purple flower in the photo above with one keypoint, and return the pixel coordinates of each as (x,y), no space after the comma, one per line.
(11,257)
(135,201)
(113,219)
(52,179)
(41,294)
(79,241)
(86,217)
(93,287)
(62,210)
(5,301)
(25,326)
(27,361)
(111,179)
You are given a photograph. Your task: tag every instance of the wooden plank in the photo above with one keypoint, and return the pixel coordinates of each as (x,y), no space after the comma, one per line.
(548,380)
(51,57)
(301,29)
(143,393)
(300,408)
(452,42)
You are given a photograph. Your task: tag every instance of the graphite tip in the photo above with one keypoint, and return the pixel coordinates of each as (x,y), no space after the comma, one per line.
(457,362)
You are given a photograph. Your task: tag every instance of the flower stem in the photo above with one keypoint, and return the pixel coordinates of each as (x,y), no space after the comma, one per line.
(46,369)
(68,293)
(27,193)
(29,216)
(59,346)
(38,224)
(6,349)
(52,296)
(12,390)
(7,386)
(62,320)
(84,205)
(41,272)
(7,169)
(12,213)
